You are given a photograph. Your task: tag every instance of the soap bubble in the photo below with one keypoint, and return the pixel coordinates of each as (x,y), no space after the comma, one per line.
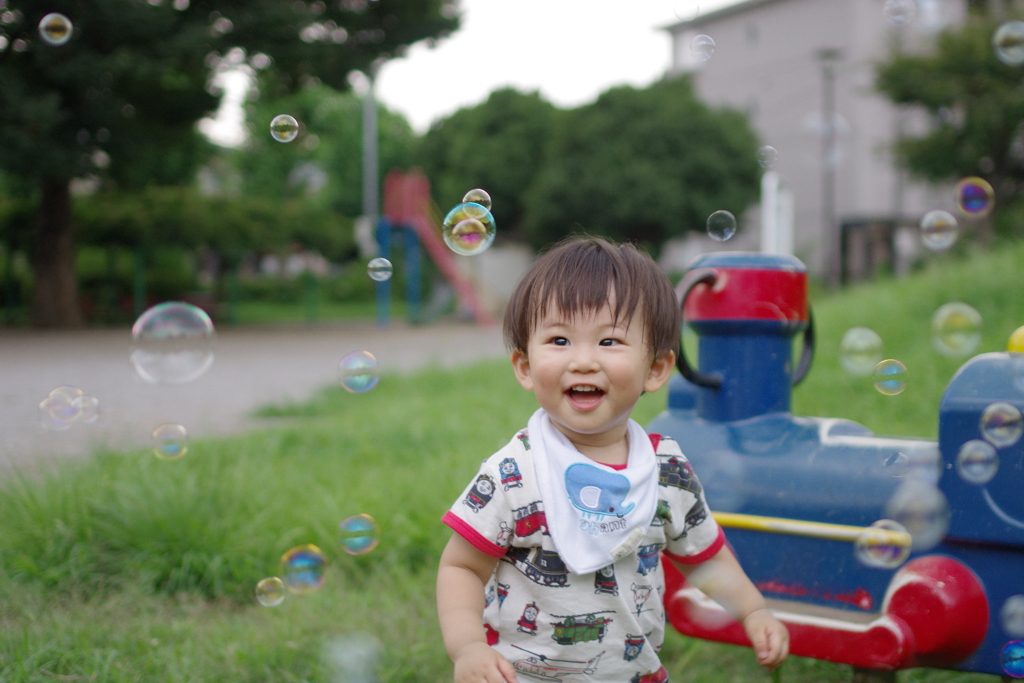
(723,476)
(353,658)
(58,410)
(974,196)
(702,47)
(686,10)
(977,462)
(359,534)
(170,441)
(468,229)
(478,196)
(767,156)
(1011,616)
(270,591)
(55,29)
(358,372)
(860,350)
(1001,424)
(923,511)
(284,128)
(87,408)
(379,269)
(172,343)
(939,230)
(890,377)
(884,544)
(900,12)
(1012,658)
(721,225)
(896,463)
(302,569)
(956,329)
(1008,43)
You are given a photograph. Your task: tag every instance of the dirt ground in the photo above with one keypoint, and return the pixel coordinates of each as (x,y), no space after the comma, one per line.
(253,366)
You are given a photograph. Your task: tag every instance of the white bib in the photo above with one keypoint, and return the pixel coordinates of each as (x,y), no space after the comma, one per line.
(595,515)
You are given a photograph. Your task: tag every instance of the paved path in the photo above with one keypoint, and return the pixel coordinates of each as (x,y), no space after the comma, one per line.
(253,367)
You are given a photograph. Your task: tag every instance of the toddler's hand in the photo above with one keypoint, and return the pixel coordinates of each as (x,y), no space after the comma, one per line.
(769,636)
(478,662)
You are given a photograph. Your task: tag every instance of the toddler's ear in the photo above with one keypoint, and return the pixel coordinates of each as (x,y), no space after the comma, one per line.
(661,370)
(521,366)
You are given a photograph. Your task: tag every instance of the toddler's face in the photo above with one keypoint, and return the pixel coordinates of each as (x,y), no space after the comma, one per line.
(588,372)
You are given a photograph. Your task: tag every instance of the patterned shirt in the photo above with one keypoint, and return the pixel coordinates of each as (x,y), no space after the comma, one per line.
(553,625)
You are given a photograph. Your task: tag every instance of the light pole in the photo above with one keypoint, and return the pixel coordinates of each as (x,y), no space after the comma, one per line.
(828,57)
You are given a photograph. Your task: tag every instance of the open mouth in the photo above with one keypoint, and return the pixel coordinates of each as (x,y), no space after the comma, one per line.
(585,395)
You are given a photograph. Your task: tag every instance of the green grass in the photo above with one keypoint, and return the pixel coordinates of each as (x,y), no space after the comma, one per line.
(122,567)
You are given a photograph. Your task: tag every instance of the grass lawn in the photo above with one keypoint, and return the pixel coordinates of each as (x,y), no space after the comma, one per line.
(126,568)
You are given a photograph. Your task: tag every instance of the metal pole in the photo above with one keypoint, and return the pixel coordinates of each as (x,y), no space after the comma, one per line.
(371,205)
(831,229)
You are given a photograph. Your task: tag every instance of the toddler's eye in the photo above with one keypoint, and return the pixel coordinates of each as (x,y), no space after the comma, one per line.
(560,341)
(609,342)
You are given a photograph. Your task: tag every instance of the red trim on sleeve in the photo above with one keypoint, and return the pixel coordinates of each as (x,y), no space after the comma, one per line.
(703,555)
(462,528)
(655,440)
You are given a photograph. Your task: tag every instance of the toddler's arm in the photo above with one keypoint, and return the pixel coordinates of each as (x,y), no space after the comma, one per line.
(723,580)
(461,577)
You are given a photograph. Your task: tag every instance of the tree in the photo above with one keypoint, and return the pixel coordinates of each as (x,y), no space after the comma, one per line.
(976,107)
(498,145)
(643,165)
(325,163)
(122,96)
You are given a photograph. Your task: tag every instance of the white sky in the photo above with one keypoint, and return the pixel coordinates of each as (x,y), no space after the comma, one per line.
(571,50)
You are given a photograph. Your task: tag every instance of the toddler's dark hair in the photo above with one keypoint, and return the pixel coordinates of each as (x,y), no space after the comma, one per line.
(577,276)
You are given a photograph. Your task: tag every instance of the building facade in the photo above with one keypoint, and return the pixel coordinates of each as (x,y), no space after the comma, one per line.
(796,65)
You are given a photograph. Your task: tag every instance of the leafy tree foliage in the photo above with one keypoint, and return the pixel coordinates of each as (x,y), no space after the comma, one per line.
(643,165)
(498,145)
(324,164)
(976,106)
(121,97)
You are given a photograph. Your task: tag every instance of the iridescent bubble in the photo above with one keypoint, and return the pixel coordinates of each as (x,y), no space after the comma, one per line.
(170,441)
(977,462)
(284,128)
(359,372)
(896,463)
(860,350)
(359,534)
(890,377)
(302,569)
(1001,424)
(975,197)
(900,12)
(353,658)
(55,29)
(939,230)
(270,591)
(956,329)
(702,47)
(721,225)
(767,156)
(58,410)
(885,544)
(1008,43)
(1012,658)
(379,269)
(468,229)
(172,343)
(88,409)
(1011,616)
(686,10)
(923,511)
(478,196)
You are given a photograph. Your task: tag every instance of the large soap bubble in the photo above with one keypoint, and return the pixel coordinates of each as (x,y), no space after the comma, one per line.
(55,29)
(860,350)
(270,591)
(890,377)
(468,229)
(172,343)
(1001,424)
(302,568)
(977,462)
(721,225)
(939,230)
(923,511)
(884,544)
(974,196)
(956,329)
(284,128)
(359,372)
(478,196)
(702,47)
(359,534)
(1008,43)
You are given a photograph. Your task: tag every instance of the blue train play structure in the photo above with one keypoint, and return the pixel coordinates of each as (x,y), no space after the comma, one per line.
(795,494)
